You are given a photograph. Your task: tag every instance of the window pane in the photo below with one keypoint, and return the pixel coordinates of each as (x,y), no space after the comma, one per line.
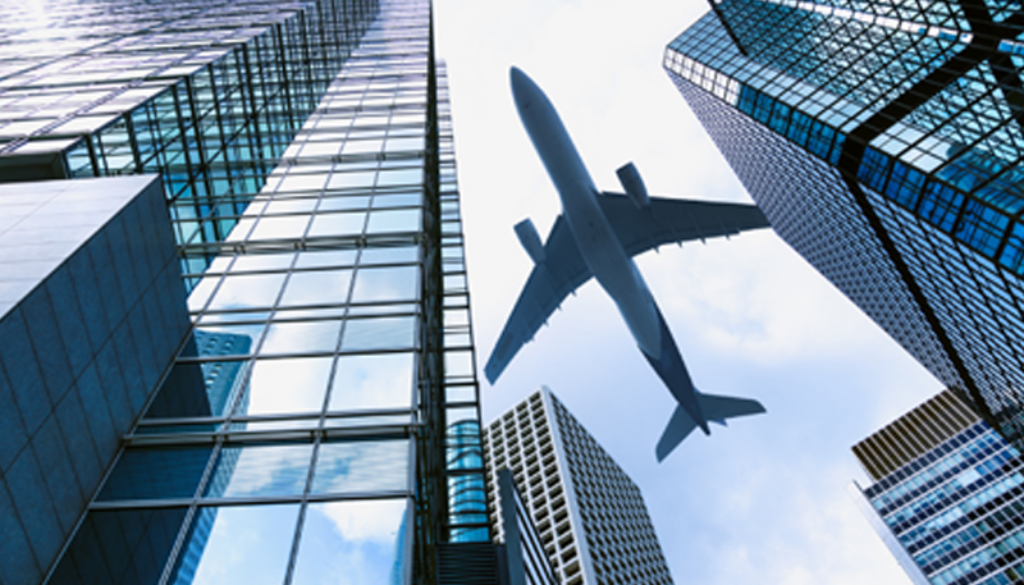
(286,386)
(112,544)
(399,220)
(337,224)
(373,381)
(382,333)
(302,337)
(355,543)
(261,470)
(194,390)
(386,284)
(319,287)
(247,291)
(248,545)
(362,467)
(157,473)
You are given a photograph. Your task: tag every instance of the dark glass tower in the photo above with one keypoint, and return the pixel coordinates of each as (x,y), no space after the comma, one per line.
(883,140)
(317,416)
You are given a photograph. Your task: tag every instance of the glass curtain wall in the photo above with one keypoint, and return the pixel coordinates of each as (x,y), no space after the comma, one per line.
(206,94)
(302,435)
(884,142)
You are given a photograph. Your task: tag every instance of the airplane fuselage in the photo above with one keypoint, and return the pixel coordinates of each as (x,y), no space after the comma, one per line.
(604,255)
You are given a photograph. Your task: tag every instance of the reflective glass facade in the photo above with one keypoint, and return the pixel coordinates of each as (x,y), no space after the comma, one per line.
(206,94)
(883,140)
(321,418)
(951,504)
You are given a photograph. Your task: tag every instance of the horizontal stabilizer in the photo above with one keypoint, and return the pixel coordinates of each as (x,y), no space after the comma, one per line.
(719,408)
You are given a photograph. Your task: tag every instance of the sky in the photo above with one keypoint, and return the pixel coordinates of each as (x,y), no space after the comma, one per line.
(764,500)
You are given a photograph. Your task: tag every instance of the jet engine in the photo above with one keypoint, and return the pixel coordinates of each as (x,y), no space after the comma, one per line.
(634,185)
(530,240)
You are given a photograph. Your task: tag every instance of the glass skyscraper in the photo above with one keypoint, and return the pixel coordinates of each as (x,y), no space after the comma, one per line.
(947,497)
(883,140)
(320,418)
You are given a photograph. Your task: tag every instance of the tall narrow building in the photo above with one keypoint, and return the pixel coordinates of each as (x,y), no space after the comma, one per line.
(590,515)
(947,497)
(883,141)
(312,411)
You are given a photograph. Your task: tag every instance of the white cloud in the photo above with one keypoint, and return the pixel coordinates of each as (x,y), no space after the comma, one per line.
(369,520)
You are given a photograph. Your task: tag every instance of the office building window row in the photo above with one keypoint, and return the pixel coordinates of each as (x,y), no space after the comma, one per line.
(287,442)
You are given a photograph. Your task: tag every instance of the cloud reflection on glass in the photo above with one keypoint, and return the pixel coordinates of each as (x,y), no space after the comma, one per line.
(246,291)
(260,470)
(352,543)
(349,467)
(386,284)
(287,386)
(380,333)
(238,544)
(316,287)
(304,336)
(372,381)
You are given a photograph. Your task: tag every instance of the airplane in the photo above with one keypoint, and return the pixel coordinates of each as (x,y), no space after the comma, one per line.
(596,236)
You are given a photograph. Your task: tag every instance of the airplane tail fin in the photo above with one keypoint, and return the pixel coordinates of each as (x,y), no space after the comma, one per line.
(715,408)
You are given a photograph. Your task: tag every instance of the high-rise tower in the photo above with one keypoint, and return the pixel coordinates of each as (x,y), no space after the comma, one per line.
(317,411)
(883,140)
(947,497)
(590,515)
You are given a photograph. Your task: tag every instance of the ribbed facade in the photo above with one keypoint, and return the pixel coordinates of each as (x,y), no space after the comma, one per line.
(590,515)
(914,434)
(883,142)
(948,497)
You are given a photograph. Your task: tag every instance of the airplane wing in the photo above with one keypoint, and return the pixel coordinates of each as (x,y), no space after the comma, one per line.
(562,272)
(667,221)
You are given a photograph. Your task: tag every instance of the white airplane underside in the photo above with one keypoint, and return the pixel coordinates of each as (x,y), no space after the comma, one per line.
(612,228)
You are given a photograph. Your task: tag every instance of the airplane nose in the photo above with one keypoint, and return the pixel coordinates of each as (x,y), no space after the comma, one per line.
(515,75)
(520,82)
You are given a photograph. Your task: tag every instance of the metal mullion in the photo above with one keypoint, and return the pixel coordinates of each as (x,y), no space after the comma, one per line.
(189,516)
(341,333)
(143,504)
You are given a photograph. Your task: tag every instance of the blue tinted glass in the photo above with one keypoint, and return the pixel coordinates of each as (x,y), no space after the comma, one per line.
(380,333)
(780,117)
(940,205)
(358,543)
(261,470)
(157,473)
(873,168)
(800,128)
(362,466)
(464,447)
(904,185)
(112,544)
(1013,252)
(467,499)
(248,545)
(748,97)
(763,108)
